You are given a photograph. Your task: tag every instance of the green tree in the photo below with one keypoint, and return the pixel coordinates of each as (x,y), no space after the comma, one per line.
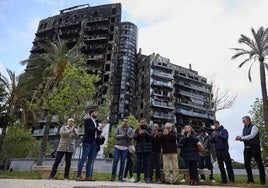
(257,50)
(109,148)
(19,143)
(74,91)
(257,118)
(45,72)
(72,96)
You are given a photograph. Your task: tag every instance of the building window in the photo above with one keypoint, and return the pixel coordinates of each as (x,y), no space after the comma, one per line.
(111,37)
(114,10)
(107,67)
(106,78)
(112,19)
(110,47)
(108,58)
(95,14)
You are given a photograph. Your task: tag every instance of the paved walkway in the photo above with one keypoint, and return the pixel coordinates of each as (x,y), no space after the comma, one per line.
(34,183)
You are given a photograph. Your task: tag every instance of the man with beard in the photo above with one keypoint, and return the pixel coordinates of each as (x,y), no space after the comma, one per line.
(143,137)
(89,144)
(123,136)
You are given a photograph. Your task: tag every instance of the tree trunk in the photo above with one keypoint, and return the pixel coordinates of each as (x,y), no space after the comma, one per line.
(2,138)
(43,146)
(264,96)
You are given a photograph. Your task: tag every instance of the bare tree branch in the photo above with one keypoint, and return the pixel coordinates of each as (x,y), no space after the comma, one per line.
(221,99)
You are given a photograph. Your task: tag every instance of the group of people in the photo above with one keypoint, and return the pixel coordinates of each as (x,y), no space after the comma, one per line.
(152,143)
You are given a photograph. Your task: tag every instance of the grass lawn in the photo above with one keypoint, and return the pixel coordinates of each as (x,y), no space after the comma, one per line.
(239,179)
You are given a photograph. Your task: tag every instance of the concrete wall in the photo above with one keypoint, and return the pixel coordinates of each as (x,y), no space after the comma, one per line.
(25,164)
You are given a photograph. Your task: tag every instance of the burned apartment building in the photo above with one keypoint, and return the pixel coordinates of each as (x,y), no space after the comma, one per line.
(171,93)
(145,86)
(108,44)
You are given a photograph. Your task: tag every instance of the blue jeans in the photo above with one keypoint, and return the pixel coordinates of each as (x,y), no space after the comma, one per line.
(122,155)
(88,153)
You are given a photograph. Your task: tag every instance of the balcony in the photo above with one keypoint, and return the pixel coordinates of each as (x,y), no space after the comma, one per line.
(191,79)
(167,105)
(192,86)
(98,19)
(194,114)
(189,94)
(194,105)
(162,84)
(163,115)
(96,57)
(90,39)
(96,29)
(156,64)
(159,95)
(162,75)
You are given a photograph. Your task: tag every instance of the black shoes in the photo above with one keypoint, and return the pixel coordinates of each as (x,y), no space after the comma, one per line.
(158,181)
(112,178)
(137,180)
(121,179)
(250,181)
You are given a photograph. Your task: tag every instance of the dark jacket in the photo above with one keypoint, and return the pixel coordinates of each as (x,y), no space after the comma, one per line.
(143,141)
(208,146)
(188,147)
(91,131)
(99,141)
(169,142)
(221,141)
(252,142)
(156,145)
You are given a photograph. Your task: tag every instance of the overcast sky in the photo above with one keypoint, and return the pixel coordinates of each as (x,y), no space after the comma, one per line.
(196,32)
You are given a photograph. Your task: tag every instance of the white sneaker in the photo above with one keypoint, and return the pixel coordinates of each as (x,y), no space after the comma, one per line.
(213,181)
(182,181)
(132,180)
(202,180)
(125,179)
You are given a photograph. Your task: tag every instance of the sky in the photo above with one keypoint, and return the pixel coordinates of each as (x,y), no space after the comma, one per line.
(196,32)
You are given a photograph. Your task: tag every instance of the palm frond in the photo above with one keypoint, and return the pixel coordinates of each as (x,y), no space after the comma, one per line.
(249,72)
(240,53)
(247,41)
(266,65)
(241,64)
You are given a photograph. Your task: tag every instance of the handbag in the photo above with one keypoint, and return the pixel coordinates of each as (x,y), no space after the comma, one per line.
(200,147)
(131,148)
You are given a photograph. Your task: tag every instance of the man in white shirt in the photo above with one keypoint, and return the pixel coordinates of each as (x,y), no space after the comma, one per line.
(250,137)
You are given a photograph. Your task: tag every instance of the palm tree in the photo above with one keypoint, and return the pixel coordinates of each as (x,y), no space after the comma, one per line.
(49,66)
(44,72)
(11,103)
(257,50)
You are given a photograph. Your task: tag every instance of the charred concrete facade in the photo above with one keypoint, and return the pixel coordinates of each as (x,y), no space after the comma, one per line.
(109,46)
(171,93)
(124,97)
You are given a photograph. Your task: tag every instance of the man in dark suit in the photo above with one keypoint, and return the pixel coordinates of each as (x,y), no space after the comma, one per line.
(89,144)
